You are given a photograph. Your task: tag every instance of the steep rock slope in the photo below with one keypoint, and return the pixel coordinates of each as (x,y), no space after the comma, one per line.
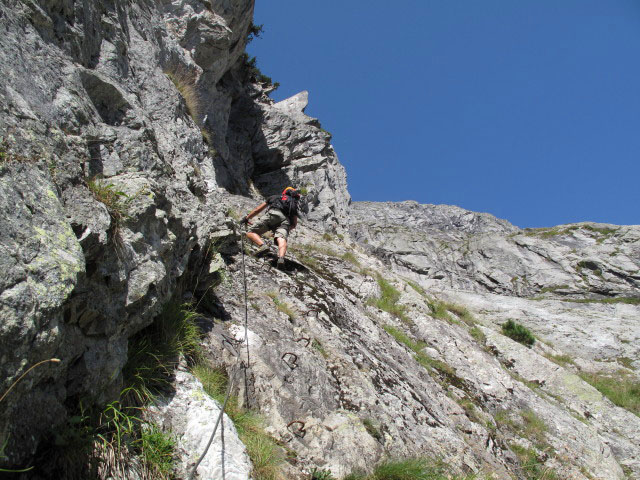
(325,357)
(124,126)
(133,133)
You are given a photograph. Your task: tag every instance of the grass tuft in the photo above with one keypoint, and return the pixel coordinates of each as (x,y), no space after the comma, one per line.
(155,351)
(282,306)
(517,332)
(371,429)
(431,364)
(185,83)
(388,300)
(351,258)
(622,389)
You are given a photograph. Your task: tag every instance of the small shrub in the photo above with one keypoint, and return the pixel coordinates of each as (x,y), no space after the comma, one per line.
(255,31)
(417,288)
(626,300)
(116,201)
(439,310)
(411,469)
(403,338)
(155,351)
(534,427)
(562,359)
(254,74)
(326,237)
(431,364)
(517,332)
(532,467)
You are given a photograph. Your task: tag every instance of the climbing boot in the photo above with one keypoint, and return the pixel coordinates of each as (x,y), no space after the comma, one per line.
(261,251)
(280,264)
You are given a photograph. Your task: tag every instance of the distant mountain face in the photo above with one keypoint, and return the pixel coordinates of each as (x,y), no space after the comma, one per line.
(136,134)
(447,246)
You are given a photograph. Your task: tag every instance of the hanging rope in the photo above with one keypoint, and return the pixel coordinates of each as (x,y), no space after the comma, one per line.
(245,367)
(246,321)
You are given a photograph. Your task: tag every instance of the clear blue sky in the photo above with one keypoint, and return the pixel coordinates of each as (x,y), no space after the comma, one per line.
(529,110)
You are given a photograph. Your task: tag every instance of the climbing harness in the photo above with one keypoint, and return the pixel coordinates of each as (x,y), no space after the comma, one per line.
(244,366)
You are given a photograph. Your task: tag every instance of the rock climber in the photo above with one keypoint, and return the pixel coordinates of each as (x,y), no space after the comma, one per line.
(281,216)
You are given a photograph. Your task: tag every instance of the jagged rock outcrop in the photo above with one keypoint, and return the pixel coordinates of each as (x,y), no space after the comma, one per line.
(109,193)
(133,133)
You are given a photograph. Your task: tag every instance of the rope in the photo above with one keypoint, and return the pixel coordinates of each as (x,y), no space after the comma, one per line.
(246,321)
(231,380)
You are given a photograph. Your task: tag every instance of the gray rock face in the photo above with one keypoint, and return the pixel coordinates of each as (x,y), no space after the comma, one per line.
(190,415)
(325,359)
(447,246)
(132,132)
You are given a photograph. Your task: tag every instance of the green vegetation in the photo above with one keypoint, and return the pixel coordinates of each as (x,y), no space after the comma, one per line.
(326,237)
(627,300)
(281,305)
(7,156)
(309,248)
(388,300)
(404,339)
(319,347)
(470,410)
(371,429)
(622,389)
(255,31)
(185,83)
(410,469)
(233,213)
(116,201)
(254,74)
(534,427)
(443,311)
(158,450)
(518,333)
(478,334)
(155,352)
(431,364)
(532,467)
(4,150)
(108,438)
(554,288)
(528,425)
(562,360)
(417,288)
(317,474)
(589,265)
(265,454)
(351,258)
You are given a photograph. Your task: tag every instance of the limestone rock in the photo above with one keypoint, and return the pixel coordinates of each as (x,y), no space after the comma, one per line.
(189,414)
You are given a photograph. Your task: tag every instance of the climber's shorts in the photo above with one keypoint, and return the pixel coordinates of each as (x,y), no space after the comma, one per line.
(275,221)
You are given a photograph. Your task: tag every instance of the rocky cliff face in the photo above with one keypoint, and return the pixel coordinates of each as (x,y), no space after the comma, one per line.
(133,133)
